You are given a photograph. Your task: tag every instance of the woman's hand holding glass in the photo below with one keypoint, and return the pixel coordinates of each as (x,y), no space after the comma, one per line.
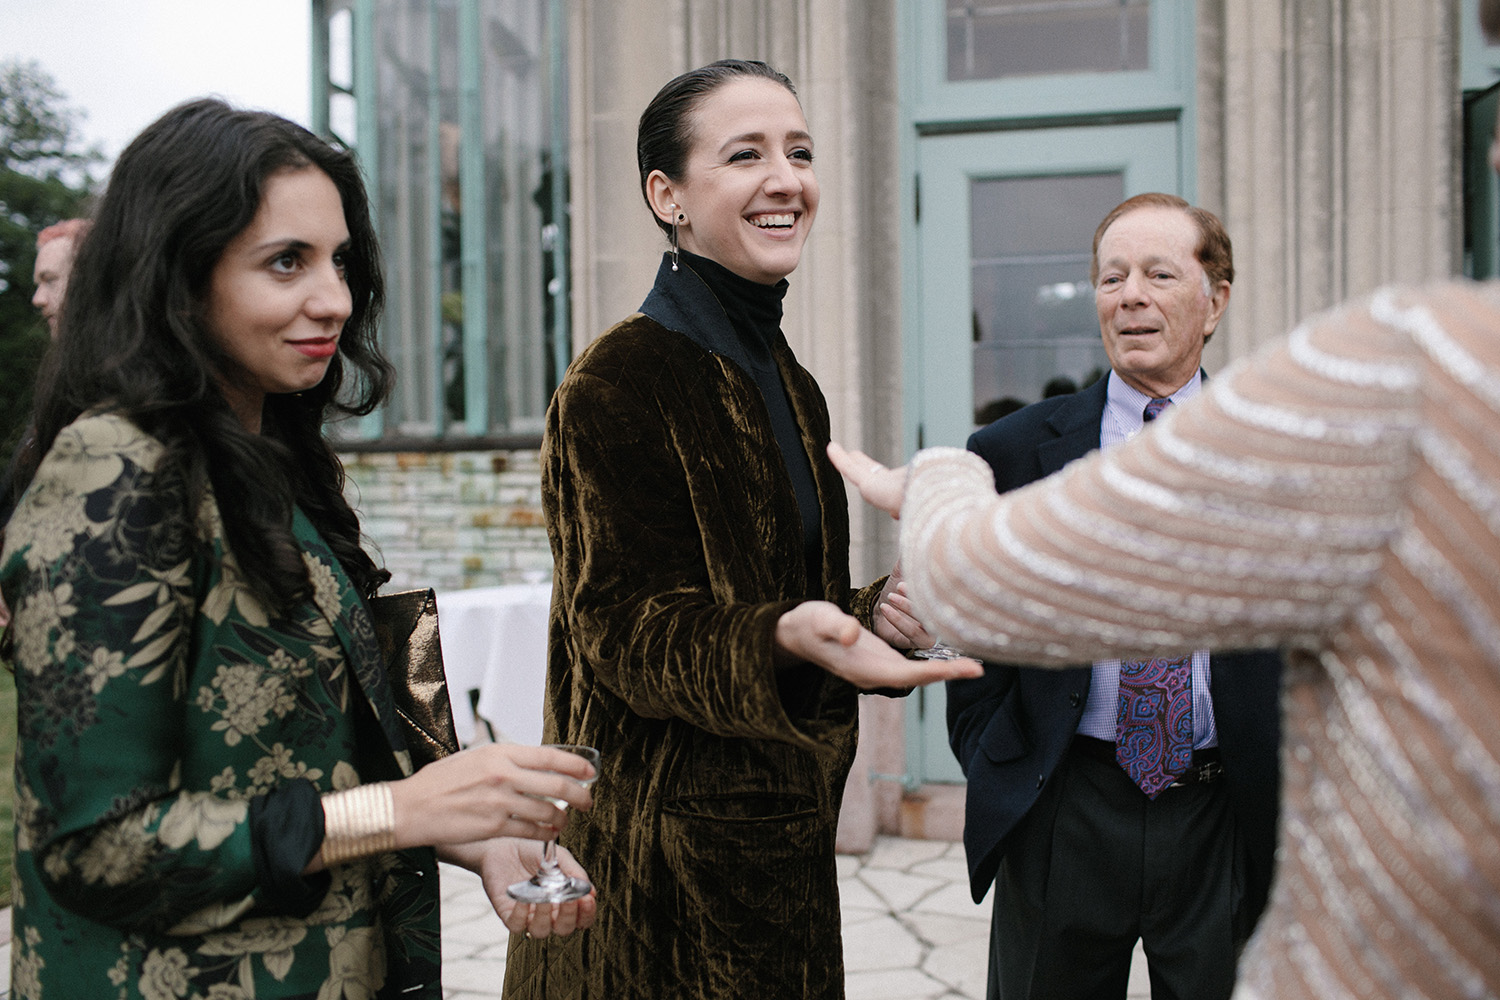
(497,790)
(551,884)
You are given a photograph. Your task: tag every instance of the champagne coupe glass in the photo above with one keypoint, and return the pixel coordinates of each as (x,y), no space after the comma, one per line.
(549,884)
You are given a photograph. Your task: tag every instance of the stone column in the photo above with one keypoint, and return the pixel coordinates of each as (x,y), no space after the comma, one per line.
(1327,143)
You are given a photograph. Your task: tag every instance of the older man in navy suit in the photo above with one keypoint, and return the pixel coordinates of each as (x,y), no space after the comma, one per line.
(1111,803)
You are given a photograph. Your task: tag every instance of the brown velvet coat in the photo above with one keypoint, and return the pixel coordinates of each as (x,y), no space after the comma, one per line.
(678,544)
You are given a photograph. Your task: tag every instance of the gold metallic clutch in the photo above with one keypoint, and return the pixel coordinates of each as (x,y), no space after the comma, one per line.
(406,625)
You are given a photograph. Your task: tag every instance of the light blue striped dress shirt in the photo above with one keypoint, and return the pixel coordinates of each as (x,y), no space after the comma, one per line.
(1122,421)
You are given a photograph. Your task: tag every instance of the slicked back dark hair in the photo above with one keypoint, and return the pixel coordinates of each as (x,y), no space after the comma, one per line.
(134,338)
(665,136)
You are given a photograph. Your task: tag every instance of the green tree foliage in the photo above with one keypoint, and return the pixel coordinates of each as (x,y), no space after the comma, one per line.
(44,178)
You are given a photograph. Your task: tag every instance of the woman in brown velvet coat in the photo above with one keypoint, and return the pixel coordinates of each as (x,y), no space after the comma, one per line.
(701,633)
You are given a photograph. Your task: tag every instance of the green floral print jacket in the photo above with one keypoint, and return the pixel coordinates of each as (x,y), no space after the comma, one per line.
(159,704)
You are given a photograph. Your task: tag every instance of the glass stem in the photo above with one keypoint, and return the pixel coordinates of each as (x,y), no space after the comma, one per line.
(549,874)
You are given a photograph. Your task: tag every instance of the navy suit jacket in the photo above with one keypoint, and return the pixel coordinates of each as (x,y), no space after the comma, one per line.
(1011,727)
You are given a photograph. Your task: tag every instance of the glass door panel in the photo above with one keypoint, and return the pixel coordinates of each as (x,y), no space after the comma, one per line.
(1003,313)
(1035,332)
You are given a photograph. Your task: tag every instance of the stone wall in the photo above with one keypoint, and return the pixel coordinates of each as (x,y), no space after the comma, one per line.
(451,520)
(1329,138)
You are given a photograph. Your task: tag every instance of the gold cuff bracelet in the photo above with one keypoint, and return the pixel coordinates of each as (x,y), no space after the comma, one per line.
(358,822)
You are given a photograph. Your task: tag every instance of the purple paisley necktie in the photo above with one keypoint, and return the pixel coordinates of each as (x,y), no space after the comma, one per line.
(1154,731)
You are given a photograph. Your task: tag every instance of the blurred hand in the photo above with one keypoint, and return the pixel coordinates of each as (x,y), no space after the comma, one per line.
(881,487)
(895,619)
(817,631)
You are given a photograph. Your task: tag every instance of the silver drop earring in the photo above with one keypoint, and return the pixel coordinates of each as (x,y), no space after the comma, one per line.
(678,217)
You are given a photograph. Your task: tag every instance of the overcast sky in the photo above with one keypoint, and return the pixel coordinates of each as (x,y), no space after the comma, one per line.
(124,62)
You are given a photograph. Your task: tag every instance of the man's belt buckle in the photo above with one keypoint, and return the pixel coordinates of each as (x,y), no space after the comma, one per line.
(1200,774)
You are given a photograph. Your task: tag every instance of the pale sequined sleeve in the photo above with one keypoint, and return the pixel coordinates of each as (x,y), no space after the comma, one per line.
(1256,515)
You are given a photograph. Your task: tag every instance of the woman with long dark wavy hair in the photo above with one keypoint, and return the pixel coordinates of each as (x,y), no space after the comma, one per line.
(213,795)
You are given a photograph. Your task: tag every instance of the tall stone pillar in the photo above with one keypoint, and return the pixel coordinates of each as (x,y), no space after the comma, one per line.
(1332,153)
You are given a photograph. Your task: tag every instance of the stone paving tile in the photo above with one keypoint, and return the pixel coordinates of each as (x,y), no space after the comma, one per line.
(949,867)
(899,889)
(471,977)
(894,852)
(953,899)
(938,929)
(880,943)
(857,899)
(472,936)
(961,963)
(474,939)
(457,883)
(905,984)
(473,906)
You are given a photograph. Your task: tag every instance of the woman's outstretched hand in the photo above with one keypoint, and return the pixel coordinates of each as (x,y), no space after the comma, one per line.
(504,861)
(509,861)
(818,632)
(881,487)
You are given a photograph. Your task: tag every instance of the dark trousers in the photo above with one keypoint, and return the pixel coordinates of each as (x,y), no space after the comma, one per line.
(1095,866)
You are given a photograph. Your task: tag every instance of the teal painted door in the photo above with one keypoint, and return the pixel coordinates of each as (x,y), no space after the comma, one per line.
(1005,311)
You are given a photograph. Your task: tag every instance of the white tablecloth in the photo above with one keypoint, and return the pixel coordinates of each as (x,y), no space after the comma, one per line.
(495,642)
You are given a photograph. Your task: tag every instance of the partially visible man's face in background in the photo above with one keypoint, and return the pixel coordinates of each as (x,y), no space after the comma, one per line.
(53,261)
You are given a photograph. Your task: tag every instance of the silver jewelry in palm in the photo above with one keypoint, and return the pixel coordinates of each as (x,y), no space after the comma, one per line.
(549,884)
(939,650)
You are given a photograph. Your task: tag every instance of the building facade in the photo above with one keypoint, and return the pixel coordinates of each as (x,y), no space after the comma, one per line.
(965,150)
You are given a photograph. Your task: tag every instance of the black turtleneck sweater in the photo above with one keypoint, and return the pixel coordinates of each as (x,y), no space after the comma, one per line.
(741,320)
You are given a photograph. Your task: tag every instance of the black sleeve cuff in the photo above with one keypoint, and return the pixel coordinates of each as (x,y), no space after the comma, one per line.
(286,832)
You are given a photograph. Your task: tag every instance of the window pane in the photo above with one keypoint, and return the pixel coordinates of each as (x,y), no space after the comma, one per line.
(416,207)
(1035,328)
(518,208)
(467,122)
(1006,38)
(341,48)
